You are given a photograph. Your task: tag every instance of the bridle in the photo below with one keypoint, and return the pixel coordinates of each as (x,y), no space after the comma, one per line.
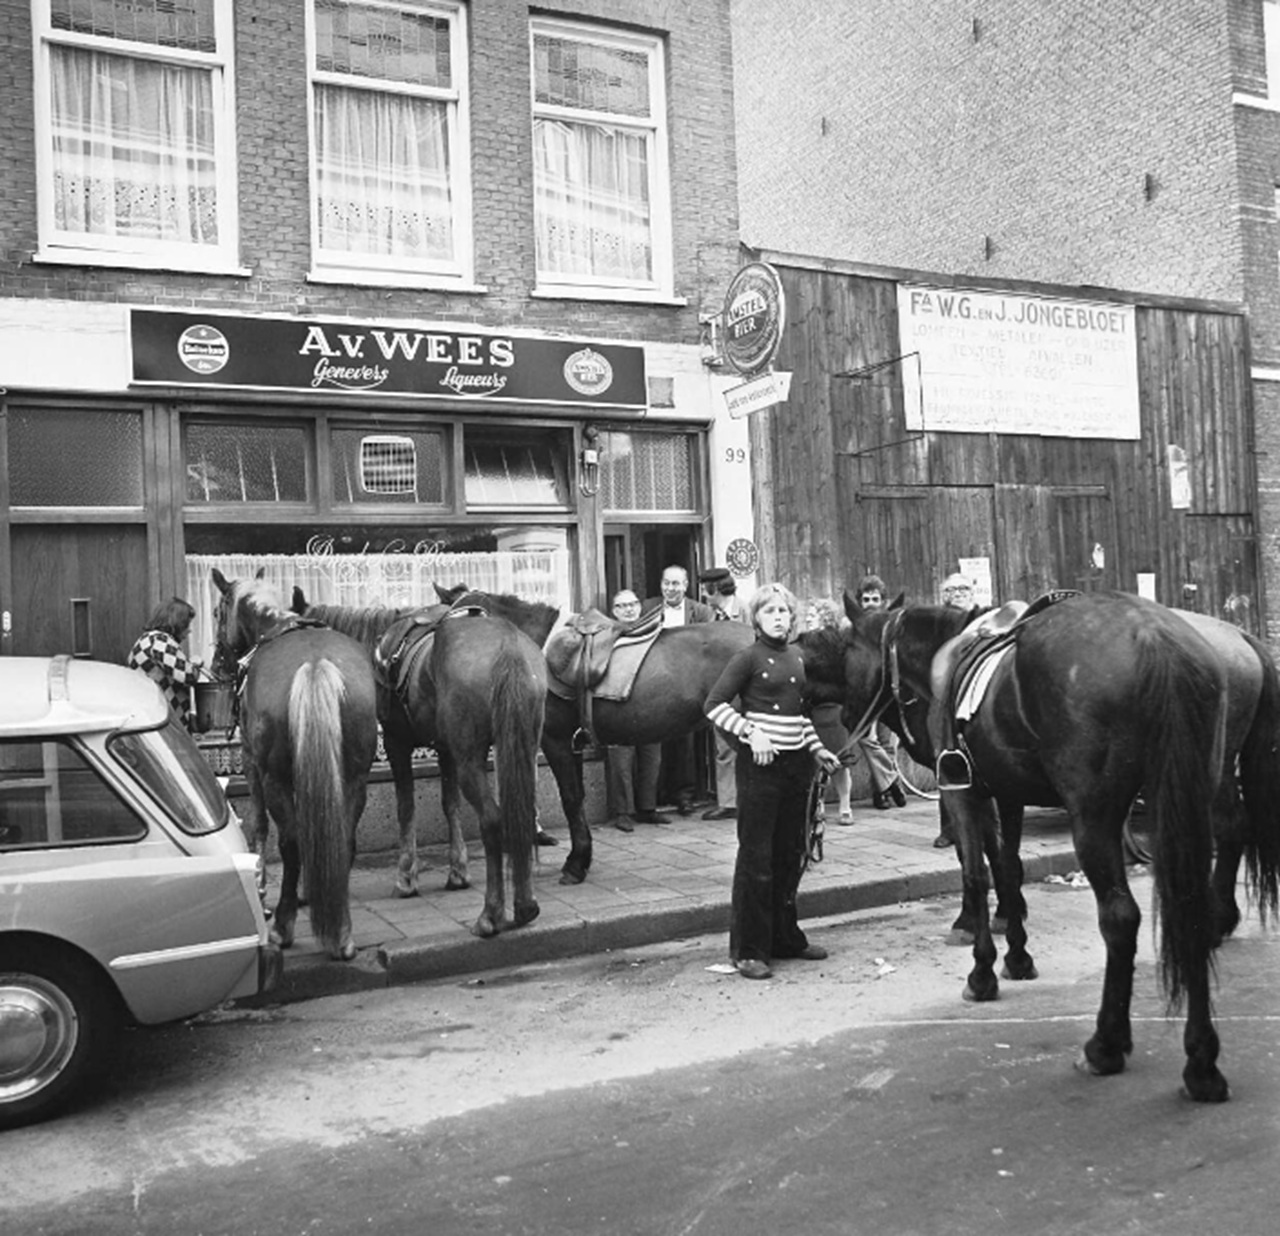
(890,690)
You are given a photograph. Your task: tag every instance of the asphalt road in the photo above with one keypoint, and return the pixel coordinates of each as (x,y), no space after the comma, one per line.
(642,1093)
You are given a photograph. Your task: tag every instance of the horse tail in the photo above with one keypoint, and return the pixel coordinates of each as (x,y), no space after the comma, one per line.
(518,704)
(319,794)
(1182,710)
(1260,788)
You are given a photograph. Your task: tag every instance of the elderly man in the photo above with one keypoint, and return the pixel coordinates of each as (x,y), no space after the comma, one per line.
(678,610)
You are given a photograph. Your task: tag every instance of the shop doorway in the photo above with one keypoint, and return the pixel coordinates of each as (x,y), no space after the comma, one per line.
(636,554)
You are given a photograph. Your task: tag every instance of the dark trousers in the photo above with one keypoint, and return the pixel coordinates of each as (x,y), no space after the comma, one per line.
(773,800)
(631,778)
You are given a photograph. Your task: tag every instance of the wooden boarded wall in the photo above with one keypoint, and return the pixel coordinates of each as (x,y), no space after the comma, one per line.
(842,487)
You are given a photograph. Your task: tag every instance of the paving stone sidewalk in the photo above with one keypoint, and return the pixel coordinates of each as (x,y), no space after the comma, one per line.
(660,882)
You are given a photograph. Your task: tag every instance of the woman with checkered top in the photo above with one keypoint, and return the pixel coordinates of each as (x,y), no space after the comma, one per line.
(159,654)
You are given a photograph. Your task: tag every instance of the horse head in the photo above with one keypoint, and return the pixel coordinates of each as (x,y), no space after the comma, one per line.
(241,606)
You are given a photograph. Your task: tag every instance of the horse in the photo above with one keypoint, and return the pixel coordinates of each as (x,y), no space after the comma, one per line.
(833,678)
(1101,696)
(666,701)
(309,735)
(466,680)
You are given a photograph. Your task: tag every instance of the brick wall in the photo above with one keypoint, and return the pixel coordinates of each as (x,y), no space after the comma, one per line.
(273,189)
(905,134)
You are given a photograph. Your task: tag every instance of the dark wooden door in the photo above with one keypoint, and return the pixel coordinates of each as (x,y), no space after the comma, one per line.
(78,588)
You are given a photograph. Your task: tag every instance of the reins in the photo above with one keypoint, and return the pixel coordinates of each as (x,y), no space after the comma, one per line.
(888,691)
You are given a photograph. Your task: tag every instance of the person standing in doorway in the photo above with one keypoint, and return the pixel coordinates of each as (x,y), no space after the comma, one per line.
(631,773)
(778,747)
(878,746)
(159,654)
(720,591)
(679,778)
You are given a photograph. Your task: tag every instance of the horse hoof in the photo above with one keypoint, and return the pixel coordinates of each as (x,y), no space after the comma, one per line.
(282,939)
(345,952)
(1020,972)
(456,883)
(1210,1088)
(571,876)
(982,995)
(406,890)
(485,927)
(527,913)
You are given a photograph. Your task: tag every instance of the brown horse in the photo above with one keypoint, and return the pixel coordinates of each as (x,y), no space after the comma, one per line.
(309,734)
(462,680)
(666,701)
(1099,697)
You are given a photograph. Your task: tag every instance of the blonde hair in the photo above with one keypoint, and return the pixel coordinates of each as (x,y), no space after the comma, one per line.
(827,613)
(775,592)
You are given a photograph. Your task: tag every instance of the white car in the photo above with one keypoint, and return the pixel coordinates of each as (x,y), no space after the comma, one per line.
(127,889)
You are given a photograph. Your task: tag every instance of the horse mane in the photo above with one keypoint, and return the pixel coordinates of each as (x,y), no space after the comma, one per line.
(364,623)
(534,618)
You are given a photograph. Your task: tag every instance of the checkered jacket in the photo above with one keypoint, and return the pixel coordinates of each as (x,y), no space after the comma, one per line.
(158,655)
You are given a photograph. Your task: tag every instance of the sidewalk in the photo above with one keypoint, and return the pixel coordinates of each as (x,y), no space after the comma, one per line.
(660,882)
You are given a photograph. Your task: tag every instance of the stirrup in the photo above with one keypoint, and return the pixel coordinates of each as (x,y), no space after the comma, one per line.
(954,770)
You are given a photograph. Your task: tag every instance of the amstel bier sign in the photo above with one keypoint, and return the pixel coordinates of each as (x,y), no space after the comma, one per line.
(752,319)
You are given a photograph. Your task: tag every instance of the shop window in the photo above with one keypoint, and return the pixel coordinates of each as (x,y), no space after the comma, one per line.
(246,463)
(646,471)
(601,196)
(503,470)
(50,796)
(137,155)
(390,163)
(387,566)
(62,457)
(401,466)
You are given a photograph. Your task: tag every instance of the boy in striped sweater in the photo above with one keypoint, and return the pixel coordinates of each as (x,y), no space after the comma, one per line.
(775,768)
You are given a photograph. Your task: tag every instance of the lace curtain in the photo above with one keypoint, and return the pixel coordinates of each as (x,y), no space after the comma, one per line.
(383,174)
(133,148)
(591,188)
(396,580)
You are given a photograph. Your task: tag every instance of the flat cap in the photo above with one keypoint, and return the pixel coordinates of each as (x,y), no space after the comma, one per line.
(716,575)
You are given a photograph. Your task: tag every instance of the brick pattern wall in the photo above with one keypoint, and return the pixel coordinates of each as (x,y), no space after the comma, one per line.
(923,128)
(273,186)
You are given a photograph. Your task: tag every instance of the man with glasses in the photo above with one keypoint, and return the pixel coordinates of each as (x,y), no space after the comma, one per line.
(631,773)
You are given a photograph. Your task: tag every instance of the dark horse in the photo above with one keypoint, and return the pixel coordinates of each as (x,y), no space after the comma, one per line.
(471,682)
(1102,696)
(309,734)
(666,701)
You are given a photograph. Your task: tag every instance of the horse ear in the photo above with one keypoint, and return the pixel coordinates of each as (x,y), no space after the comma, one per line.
(223,584)
(899,601)
(450,595)
(262,573)
(852,610)
(299,605)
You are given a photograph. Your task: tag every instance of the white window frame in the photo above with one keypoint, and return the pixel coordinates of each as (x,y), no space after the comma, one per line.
(328,266)
(78,249)
(579,287)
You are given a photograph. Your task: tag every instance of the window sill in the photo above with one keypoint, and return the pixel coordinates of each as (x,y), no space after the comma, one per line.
(1260,102)
(137,261)
(393,279)
(636,296)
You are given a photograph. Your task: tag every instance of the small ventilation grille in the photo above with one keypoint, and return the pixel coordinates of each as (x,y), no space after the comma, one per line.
(388,465)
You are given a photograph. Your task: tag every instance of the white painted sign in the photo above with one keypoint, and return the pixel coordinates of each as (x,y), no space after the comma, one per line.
(757,394)
(979,571)
(999,362)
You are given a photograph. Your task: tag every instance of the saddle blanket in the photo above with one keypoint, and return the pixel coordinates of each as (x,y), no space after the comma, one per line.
(628,656)
(972,693)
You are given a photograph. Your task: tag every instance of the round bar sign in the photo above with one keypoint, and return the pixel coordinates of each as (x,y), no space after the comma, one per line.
(753,317)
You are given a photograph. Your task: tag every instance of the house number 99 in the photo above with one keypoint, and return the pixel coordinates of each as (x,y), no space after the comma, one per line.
(735,454)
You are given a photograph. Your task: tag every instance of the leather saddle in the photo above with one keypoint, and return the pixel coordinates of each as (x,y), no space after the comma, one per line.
(409,639)
(578,654)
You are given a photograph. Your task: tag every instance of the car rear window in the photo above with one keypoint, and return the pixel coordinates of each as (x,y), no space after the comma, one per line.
(172,770)
(50,795)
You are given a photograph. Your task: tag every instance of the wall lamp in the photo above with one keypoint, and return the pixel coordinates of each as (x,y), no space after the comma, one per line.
(589,462)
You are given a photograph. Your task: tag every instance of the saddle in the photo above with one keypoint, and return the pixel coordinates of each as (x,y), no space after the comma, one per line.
(408,640)
(962,670)
(580,656)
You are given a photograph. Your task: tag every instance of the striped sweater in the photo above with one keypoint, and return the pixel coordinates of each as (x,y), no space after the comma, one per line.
(767,679)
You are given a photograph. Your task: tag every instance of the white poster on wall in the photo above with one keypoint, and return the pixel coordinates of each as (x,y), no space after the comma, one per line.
(1000,362)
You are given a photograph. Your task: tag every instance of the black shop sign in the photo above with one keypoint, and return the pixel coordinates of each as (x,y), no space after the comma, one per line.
(207,349)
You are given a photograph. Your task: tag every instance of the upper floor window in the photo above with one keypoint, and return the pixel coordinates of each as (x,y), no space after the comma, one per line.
(390,164)
(135,133)
(600,182)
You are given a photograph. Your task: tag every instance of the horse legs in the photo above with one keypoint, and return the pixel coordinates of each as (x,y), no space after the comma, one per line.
(257,824)
(451,805)
(400,757)
(474,780)
(1011,904)
(557,746)
(1228,832)
(969,813)
(1101,853)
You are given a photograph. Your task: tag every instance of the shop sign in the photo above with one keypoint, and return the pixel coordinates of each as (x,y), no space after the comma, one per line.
(757,394)
(752,319)
(367,358)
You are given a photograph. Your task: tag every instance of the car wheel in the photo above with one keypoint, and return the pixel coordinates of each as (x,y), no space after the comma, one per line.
(58,1021)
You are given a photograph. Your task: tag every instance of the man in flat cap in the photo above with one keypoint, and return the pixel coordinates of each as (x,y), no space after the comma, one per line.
(720,590)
